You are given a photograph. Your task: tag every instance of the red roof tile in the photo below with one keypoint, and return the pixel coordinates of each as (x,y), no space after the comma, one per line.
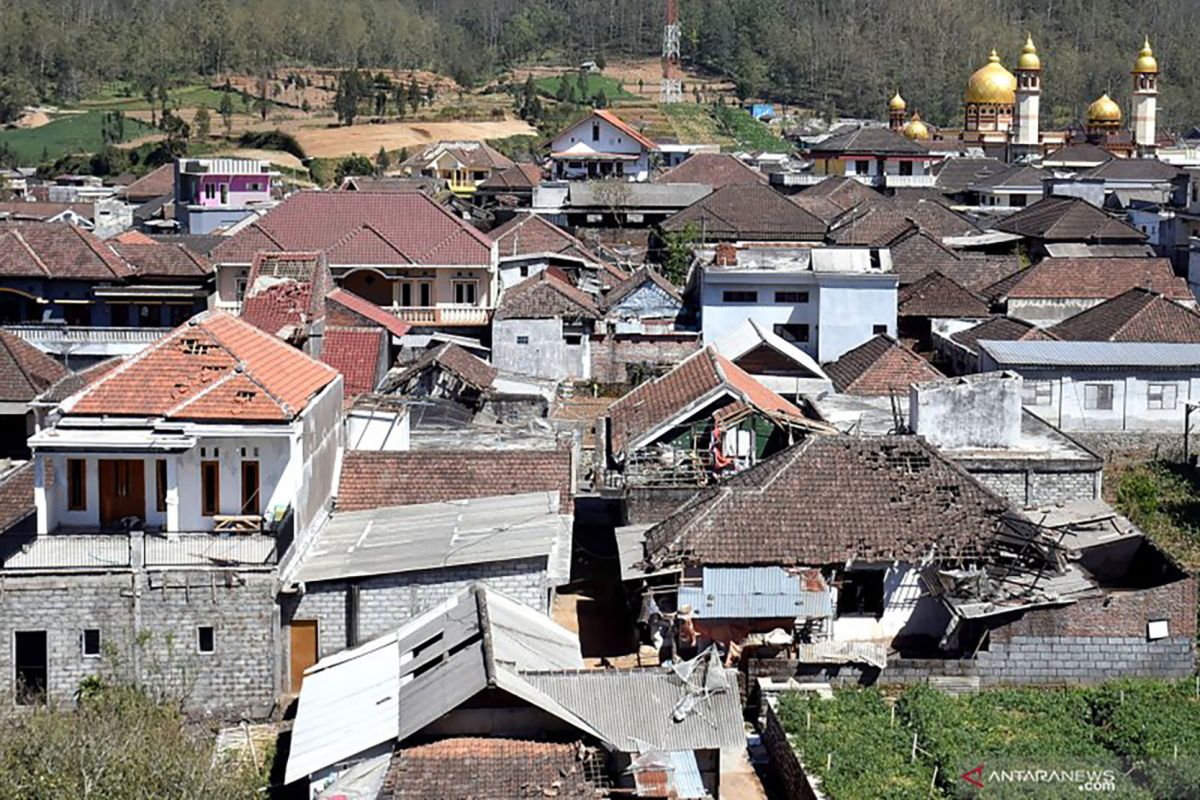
(56,250)
(151,259)
(348,309)
(356,353)
(546,295)
(713,169)
(215,366)
(157,183)
(1138,315)
(625,128)
(374,479)
(527,234)
(285,293)
(880,366)
(25,371)
(1098,279)
(16,496)
(935,295)
(361,228)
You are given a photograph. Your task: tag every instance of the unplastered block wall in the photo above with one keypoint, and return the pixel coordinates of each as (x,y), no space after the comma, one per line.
(1029,488)
(148,633)
(612,355)
(386,601)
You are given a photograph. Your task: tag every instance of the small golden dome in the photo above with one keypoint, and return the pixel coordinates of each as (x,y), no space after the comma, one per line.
(1029,57)
(992,84)
(1146,62)
(915,129)
(1104,111)
(897,103)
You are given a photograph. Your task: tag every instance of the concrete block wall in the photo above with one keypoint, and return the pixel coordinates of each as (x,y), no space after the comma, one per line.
(612,355)
(788,771)
(1029,488)
(386,601)
(1167,446)
(148,634)
(1084,659)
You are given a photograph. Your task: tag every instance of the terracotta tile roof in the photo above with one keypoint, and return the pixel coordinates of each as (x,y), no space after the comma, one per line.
(1133,169)
(529,233)
(870,141)
(978,272)
(832,499)
(463,768)
(57,251)
(370,183)
(1068,219)
(1000,329)
(649,405)
(42,210)
(470,153)
(1138,315)
(880,366)
(934,217)
(1013,176)
(755,212)
(382,479)
(1080,153)
(917,255)
(518,176)
(345,308)
(713,169)
(151,259)
(955,174)
(844,192)
(356,353)
(285,293)
(156,183)
(361,228)
(625,128)
(643,275)
(543,296)
(213,367)
(471,370)
(822,208)
(16,496)
(875,227)
(73,382)
(935,295)
(1098,279)
(25,371)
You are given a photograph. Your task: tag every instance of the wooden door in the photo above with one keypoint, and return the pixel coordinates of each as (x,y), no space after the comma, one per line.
(304,649)
(122,490)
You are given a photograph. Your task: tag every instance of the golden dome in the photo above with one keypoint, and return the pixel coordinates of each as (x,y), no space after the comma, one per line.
(1104,111)
(1029,57)
(897,103)
(992,84)
(915,129)
(1146,61)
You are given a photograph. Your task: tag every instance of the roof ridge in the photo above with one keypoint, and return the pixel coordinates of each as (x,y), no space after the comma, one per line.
(144,353)
(97,249)
(245,368)
(4,338)
(32,253)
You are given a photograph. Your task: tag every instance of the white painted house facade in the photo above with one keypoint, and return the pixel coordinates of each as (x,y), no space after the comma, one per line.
(602,145)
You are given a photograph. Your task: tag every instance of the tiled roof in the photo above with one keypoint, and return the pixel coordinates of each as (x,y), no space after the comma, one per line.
(345,308)
(56,250)
(471,153)
(917,255)
(1133,169)
(755,212)
(1067,219)
(354,352)
(16,496)
(213,367)
(529,233)
(40,210)
(370,183)
(472,370)
(25,371)
(870,141)
(1098,278)
(978,272)
(156,183)
(935,295)
(1000,329)
(158,260)
(712,169)
(543,296)
(625,128)
(956,174)
(846,193)
(876,227)
(933,217)
(382,479)
(1011,177)
(1138,315)
(1080,153)
(880,366)
(462,768)
(641,276)
(830,500)
(73,382)
(285,293)
(651,404)
(518,176)
(356,228)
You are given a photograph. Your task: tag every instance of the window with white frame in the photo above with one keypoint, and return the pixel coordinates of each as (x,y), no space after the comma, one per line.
(1037,393)
(1161,396)
(465,292)
(1098,396)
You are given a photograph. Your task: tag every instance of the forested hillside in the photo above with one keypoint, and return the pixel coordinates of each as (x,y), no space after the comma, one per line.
(839,56)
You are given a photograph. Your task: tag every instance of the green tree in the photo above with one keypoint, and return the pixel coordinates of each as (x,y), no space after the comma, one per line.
(15,93)
(398,96)
(383,162)
(677,253)
(347,96)
(353,165)
(226,111)
(414,93)
(201,123)
(261,104)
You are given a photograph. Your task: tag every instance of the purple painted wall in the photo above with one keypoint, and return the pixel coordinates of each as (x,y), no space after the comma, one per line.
(241,190)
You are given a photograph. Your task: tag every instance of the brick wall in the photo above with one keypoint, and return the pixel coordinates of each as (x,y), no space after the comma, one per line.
(612,354)
(788,771)
(1117,614)
(386,601)
(148,624)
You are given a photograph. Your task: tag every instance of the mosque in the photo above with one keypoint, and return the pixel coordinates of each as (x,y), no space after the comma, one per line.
(1001,111)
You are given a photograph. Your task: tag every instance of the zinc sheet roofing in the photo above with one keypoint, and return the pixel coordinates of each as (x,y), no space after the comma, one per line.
(753,593)
(1093,354)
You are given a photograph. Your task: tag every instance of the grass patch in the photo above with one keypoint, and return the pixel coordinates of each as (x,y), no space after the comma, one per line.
(1162,499)
(121,97)
(595,82)
(730,127)
(74,133)
(749,133)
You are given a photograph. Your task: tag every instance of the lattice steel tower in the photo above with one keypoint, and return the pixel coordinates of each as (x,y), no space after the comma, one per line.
(672,87)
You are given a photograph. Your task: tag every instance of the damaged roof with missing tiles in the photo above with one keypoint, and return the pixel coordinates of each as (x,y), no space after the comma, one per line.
(470,369)
(285,293)
(880,366)
(215,367)
(833,499)
(546,295)
(356,353)
(1138,315)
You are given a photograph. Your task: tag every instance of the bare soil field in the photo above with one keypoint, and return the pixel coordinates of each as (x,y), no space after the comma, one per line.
(649,72)
(367,139)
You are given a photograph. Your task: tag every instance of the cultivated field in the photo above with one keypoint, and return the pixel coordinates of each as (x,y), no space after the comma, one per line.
(366,139)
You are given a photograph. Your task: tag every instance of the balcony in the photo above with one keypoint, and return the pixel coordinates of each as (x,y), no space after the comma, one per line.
(90,552)
(908,181)
(72,340)
(465,316)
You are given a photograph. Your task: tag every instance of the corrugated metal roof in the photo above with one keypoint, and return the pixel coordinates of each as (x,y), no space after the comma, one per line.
(754,593)
(433,535)
(1092,354)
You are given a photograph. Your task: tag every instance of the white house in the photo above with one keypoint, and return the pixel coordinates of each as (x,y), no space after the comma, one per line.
(216,426)
(825,300)
(1102,386)
(602,145)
